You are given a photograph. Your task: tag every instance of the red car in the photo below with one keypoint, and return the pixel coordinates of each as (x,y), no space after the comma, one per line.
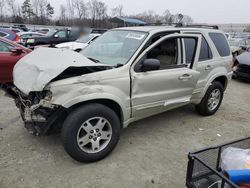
(10,53)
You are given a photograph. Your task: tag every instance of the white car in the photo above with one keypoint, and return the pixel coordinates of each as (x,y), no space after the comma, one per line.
(80,43)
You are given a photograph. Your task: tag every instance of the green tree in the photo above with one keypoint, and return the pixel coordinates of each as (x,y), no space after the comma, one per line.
(27,10)
(49,11)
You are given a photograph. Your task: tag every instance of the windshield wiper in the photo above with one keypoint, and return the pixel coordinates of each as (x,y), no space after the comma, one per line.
(118,65)
(95,60)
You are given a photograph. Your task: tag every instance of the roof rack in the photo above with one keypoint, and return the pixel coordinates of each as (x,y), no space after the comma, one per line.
(201,26)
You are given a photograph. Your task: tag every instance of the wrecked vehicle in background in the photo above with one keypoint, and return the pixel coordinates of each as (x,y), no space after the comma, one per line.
(125,75)
(242,66)
(238,45)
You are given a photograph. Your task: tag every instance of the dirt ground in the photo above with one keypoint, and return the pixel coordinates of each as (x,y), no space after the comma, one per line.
(151,152)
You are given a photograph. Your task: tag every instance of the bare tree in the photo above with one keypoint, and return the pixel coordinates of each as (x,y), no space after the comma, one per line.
(63,13)
(2,4)
(167,16)
(92,5)
(101,10)
(71,8)
(187,20)
(42,7)
(12,7)
(117,11)
(81,8)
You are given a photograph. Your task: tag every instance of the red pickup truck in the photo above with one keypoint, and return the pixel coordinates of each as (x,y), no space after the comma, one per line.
(10,53)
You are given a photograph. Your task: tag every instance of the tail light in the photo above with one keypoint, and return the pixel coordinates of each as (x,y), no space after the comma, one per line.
(17,39)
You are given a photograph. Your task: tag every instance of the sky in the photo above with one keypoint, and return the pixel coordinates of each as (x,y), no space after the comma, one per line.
(202,11)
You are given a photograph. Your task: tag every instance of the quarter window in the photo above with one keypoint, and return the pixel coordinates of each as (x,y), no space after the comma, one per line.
(189,44)
(205,53)
(220,43)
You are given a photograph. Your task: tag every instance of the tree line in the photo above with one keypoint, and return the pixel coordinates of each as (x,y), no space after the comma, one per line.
(92,13)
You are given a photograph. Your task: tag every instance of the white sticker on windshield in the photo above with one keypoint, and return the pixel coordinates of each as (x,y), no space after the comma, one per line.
(138,36)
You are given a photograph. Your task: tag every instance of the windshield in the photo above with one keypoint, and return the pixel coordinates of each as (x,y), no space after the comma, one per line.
(85,38)
(114,47)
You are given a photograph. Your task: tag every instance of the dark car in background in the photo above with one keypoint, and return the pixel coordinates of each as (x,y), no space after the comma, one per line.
(60,36)
(242,66)
(10,53)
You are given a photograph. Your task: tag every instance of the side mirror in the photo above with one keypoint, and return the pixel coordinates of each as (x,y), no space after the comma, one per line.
(17,50)
(150,65)
(56,36)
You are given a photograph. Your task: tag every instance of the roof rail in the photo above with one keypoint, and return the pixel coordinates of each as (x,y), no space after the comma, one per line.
(202,26)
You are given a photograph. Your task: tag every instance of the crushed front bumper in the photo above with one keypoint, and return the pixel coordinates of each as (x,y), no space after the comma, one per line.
(40,118)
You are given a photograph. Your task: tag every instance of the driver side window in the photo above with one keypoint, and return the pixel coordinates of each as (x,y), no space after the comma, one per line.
(61,34)
(169,54)
(166,52)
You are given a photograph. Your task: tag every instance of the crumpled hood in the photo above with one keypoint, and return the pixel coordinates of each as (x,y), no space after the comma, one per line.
(35,70)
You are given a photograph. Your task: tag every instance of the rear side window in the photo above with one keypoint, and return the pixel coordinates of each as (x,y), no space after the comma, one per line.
(205,53)
(220,43)
(2,34)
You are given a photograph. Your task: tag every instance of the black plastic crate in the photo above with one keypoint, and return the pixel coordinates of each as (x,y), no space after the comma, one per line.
(204,166)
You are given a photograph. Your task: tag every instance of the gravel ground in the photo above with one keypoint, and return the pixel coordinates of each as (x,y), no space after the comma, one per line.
(151,152)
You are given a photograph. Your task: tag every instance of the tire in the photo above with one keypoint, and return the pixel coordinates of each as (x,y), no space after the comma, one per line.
(82,144)
(205,108)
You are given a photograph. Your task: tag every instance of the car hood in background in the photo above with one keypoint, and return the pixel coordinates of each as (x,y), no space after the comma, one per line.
(35,70)
(244,58)
(72,45)
(65,45)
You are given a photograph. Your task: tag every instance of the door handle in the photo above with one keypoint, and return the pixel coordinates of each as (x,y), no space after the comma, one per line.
(185,77)
(208,67)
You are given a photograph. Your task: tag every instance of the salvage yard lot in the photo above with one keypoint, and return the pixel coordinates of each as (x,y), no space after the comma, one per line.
(151,152)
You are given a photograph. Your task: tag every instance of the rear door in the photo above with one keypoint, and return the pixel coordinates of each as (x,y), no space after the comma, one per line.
(60,37)
(206,60)
(170,86)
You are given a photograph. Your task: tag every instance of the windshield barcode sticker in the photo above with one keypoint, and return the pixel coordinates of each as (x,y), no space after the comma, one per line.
(137,36)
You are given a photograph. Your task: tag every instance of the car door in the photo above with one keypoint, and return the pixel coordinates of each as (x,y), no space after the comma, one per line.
(60,37)
(172,85)
(206,61)
(7,62)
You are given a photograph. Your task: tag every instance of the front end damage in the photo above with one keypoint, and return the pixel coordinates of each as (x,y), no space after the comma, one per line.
(34,72)
(39,115)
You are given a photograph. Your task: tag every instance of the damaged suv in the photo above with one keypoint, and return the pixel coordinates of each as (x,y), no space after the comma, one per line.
(123,76)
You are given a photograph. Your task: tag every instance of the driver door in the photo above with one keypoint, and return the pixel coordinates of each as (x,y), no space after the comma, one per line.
(60,37)
(172,84)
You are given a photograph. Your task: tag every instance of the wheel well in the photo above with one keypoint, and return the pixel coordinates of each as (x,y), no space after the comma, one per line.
(107,102)
(222,80)
(77,50)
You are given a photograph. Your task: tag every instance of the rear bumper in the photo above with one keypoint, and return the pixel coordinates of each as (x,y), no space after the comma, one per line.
(243,75)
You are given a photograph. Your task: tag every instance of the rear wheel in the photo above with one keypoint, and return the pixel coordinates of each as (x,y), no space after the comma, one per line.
(90,132)
(212,100)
